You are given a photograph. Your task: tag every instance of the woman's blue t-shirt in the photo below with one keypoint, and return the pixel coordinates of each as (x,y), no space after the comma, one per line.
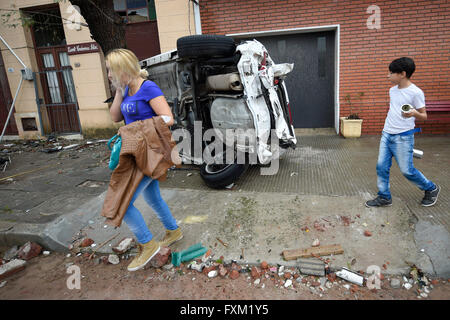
(137,107)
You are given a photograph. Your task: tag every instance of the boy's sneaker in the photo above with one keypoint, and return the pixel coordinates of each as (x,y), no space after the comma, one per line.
(379,202)
(430,197)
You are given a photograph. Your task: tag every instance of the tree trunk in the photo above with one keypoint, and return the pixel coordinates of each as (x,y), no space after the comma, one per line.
(106,26)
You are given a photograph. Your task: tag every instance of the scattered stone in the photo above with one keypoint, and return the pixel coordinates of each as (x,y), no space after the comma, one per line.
(288,283)
(11,268)
(257,281)
(212,274)
(222,270)
(395,283)
(281,269)
(328,284)
(255,273)
(161,257)
(46,253)
(168,266)
(331,277)
(29,250)
(424,295)
(315,243)
(195,266)
(234,274)
(86,242)
(347,286)
(124,245)
(11,253)
(113,259)
(3,284)
(367,233)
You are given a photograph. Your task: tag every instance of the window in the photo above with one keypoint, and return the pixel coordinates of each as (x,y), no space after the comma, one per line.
(47,27)
(135,10)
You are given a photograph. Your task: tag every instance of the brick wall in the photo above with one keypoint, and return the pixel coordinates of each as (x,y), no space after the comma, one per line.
(417,29)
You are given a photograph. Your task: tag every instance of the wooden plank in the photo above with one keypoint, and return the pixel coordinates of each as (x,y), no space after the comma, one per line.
(318,251)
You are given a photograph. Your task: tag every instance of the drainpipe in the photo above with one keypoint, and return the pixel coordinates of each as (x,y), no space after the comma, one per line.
(198,23)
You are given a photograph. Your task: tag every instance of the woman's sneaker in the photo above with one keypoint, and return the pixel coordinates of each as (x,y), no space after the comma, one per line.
(171,237)
(379,202)
(431,197)
(146,252)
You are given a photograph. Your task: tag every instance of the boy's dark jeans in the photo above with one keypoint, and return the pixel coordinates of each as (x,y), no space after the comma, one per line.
(401,148)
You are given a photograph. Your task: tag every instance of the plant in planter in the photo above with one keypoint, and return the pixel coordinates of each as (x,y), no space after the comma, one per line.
(351,125)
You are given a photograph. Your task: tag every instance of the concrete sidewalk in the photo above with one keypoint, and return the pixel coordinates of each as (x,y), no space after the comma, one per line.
(261,216)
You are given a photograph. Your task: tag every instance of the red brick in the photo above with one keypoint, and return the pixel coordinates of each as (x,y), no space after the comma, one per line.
(234,274)
(29,250)
(86,242)
(161,258)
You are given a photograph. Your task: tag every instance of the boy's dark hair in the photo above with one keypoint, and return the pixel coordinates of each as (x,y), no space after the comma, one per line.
(403,64)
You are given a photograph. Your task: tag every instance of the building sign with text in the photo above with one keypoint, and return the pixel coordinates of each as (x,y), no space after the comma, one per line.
(82,48)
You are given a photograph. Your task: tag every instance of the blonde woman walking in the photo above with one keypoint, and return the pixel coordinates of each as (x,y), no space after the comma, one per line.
(138,99)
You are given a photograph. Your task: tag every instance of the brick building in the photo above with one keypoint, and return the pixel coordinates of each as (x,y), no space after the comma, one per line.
(342,49)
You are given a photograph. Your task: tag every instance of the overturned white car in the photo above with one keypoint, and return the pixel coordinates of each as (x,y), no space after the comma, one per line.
(230,104)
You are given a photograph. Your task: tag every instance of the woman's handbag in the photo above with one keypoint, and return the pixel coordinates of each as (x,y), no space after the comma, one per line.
(115,151)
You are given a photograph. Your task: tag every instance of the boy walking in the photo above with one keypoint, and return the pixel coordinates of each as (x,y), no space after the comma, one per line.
(397,138)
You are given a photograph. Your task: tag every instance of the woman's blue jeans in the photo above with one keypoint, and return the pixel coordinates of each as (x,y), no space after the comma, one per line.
(401,148)
(133,218)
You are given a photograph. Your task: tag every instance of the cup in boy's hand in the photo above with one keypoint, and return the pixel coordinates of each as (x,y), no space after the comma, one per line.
(407,108)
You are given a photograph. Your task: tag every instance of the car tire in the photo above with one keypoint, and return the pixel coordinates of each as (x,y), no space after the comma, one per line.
(219,180)
(205,46)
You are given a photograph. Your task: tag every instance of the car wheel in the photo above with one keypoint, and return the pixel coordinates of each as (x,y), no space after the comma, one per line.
(205,46)
(219,176)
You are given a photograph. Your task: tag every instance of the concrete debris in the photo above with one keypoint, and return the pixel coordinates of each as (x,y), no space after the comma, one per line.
(197,267)
(12,267)
(46,253)
(407,286)
(395,283)
(257,281)
(113,259)
(315,243)
(11,253)
(288,283)
(124,245)
(3,284)
(212,274)
(350,276)
(346,286)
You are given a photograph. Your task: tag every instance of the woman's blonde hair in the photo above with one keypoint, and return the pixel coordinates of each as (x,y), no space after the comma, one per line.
(124,62)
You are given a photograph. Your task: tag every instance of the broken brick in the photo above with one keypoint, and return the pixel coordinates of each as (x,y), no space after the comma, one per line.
(367,233)
(264,265)
(331,277)
(287,275)
(29,250)
(315,284)
(161,257)
(296,276)
(234,274)
(222,271)
(255,273)
(384,266)
(86,242)
(434,282)
(354,288)
(207,270)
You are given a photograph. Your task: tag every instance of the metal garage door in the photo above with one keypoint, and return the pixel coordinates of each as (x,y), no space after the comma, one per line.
(311,84)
